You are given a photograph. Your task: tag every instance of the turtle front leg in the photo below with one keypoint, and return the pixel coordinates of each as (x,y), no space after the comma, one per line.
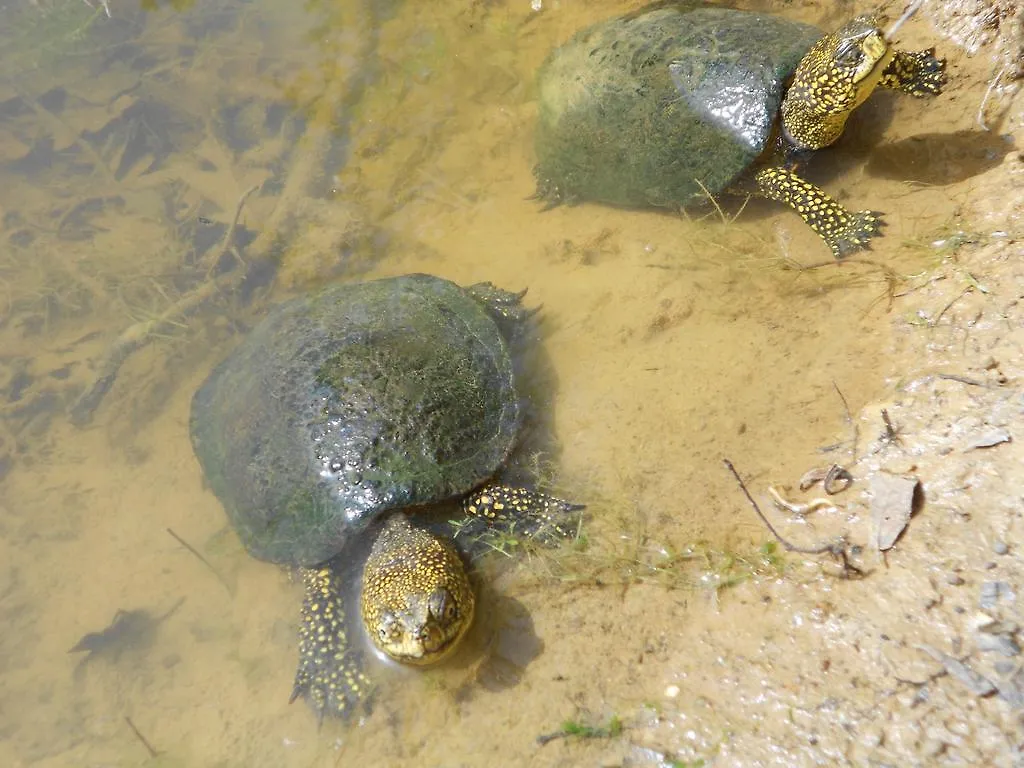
(329,673)
(530,513)
(918,73)
(844,231)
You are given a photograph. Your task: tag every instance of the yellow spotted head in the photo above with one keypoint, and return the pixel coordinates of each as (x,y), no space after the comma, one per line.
(835,77)
(417,602)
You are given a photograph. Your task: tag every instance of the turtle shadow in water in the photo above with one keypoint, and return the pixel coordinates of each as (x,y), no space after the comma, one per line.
(502,644)
(937,159)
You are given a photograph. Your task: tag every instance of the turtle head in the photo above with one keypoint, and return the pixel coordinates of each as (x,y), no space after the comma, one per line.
(833,79)
(417,602)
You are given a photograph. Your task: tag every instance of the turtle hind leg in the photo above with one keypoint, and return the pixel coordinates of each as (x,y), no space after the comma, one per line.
(844,231)
(529,513)
(918,73)
(329,673)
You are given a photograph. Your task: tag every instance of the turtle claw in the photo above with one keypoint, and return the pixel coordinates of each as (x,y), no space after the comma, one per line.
(856,233)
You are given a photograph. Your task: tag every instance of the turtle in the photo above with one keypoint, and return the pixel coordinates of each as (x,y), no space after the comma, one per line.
(335,423)
(680,101)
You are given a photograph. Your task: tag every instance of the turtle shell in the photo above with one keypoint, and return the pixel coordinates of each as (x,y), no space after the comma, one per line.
(361,399)
(644,109)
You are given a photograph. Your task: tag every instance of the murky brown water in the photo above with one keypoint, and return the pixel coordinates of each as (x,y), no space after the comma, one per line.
(125,145)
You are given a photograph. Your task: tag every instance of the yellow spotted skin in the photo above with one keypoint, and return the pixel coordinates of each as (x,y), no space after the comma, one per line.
(531,513)
(917,73)
(843,230)
(835,77)
(416,599)
(329,672)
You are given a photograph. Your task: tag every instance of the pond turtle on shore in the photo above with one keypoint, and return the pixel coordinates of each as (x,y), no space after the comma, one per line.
(675,103)
(338,416)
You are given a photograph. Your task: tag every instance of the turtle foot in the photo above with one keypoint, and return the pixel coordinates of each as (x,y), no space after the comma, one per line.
(532,514)
(855,233)
(329,674)
(918,73)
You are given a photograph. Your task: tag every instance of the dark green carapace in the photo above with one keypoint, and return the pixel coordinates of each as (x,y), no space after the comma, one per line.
(670,105)
(362,399)
(340,414)
(634,111)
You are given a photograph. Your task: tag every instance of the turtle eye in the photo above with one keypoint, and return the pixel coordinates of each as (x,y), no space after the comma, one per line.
(849,54)
(388,629)
(442,606)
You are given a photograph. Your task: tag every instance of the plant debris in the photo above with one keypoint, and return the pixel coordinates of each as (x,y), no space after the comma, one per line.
(892,504)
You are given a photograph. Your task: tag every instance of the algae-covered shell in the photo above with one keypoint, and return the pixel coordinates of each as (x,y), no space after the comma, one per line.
(361,399)
(662,106)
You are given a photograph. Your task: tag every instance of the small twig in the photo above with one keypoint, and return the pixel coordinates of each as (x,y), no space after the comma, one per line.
(229,236)
(892,432)
(142,739)
(911,10)
(850,421)
(800,510)
(721,213)
(935,321)
(836,549)
(742,208)
(984,100)
(788,545)
(963,380)
(202,559)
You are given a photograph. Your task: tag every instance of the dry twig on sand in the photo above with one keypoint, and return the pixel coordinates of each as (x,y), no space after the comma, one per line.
(839,548)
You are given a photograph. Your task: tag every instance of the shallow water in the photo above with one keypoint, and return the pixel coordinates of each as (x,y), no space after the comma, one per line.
(668,343)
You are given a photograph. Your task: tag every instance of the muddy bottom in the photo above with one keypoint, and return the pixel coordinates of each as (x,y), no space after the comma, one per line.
(678,629)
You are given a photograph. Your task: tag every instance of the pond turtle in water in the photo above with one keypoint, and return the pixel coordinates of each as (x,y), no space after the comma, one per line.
(339,415)
(669,105)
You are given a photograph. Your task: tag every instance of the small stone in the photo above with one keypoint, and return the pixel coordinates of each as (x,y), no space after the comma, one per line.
(998,643)
(892,504)
(989,439)
(980,622)
(672,691)
(1000,628)
(954,580)
(1010,691)
(871,737)
(992,592)
(977,684)
(1000,548)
